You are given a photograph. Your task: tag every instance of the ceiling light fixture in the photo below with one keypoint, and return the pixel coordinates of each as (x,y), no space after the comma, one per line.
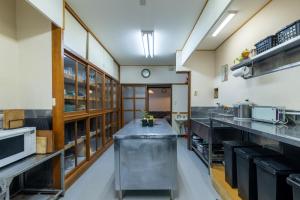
(148,43)
(229,17)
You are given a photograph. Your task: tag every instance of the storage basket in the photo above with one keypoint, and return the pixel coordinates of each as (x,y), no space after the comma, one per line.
(288,32)
(266,44)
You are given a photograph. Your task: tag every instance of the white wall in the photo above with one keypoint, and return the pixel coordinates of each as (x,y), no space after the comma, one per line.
(179,103)
(202,67)
(25,57)
(277,89)
(9,98)
(159,75)
(35,58)
(53,9)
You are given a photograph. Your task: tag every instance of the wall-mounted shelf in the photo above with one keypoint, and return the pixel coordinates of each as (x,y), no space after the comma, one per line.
(280,57)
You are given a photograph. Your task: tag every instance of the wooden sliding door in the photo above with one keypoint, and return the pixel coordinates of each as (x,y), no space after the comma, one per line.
(133,102)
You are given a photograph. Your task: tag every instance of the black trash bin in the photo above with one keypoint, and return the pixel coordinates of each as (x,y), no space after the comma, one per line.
(294,181)
(271,178)
(246,170)
(230,160)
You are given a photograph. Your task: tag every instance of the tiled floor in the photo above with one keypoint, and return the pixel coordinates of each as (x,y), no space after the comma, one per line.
(98,182)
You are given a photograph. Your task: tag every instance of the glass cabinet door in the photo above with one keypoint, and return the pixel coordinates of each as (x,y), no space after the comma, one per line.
(69,84)
(115,122)
(81,81)
(81,141)
(93,139)
(69,160)
(115,94)
(99,91)
(99,132)
(108,127)
(108,93)
(92,92)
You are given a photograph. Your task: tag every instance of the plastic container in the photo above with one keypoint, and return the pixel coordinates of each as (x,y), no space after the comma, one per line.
(288,32)
(246,170)
(230,160)
(294,181)
(266,44)
(271,178)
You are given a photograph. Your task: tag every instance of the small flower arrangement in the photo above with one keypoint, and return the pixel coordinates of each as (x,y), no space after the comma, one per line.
(148,120)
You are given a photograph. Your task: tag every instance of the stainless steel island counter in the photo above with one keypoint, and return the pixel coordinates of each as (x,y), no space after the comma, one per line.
(146,157)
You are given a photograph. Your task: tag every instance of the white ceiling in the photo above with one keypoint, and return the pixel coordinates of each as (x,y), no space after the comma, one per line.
(245,10)
(117,23)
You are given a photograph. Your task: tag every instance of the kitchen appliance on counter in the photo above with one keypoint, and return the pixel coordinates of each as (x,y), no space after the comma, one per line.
(16,144)
(268,114)
(242,111)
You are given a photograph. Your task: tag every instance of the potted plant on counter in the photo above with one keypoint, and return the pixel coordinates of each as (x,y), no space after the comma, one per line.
(148,120)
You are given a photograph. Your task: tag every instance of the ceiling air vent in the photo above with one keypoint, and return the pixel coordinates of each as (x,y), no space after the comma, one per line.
(142,2)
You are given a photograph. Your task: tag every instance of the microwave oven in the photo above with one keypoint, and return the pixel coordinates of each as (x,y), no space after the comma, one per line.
(16,144)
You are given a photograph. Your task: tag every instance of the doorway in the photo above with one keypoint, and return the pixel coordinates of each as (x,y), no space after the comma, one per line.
(159,102)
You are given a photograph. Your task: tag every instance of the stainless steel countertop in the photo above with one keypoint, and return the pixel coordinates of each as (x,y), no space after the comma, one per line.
(25,164)
(206,122)
(285,134)
(134,129)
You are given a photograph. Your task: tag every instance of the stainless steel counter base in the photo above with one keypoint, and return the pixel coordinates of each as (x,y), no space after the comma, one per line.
(143,162)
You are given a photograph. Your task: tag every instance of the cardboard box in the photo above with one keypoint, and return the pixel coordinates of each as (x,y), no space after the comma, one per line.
(50,139)
(13,118)
(41,145)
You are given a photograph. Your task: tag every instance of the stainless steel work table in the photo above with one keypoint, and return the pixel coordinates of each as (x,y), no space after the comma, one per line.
(286,134)
(8,173)
(146,157)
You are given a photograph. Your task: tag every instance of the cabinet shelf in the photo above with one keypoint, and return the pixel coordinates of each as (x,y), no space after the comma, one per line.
(81,98)
(69,97)
(72,143)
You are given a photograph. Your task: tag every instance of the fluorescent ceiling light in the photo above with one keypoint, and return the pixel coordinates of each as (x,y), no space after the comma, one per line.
(224,23)
(148,43)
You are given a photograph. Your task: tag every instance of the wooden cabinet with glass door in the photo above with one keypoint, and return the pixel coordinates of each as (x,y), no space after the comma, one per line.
(99,90)
(75,144)
(92,90)
(96,136)
(90,113)
(74,85)
(108,127)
